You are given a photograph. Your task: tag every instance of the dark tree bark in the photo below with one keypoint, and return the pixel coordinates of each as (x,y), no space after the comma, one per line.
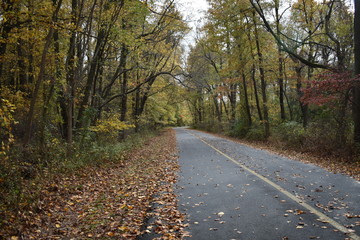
(69,91)
(232,99)
(101,38)
(246,100)
(6,27)
(356,106)
(280,65)
(217,107)
(52,87)
(253,73)
(96,61)
(253,70)
(303,106)
(40,78)
(263,82)
(124,83)
(22,67)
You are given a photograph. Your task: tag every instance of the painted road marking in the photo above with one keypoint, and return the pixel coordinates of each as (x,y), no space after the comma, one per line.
(322,216)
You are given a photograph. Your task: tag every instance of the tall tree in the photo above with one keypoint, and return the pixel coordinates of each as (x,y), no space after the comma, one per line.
(356,108)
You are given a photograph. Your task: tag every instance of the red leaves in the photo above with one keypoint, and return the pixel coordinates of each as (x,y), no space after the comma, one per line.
(328,88)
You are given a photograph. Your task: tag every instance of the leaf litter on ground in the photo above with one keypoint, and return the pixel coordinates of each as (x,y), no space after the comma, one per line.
(333,164)
(110,201)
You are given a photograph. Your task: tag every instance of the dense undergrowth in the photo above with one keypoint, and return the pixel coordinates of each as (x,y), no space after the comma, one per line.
(106,198)
(25,171)
(318,143)
(318,137)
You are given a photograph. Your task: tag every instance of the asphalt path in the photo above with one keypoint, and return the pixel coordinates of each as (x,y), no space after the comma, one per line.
(232,191)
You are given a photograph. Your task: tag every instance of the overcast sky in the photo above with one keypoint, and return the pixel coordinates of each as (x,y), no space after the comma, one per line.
(194,13)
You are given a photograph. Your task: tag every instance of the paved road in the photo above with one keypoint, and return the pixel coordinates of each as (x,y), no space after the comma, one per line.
(231,191)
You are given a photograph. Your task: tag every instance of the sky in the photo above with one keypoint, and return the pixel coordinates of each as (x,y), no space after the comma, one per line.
(194,12)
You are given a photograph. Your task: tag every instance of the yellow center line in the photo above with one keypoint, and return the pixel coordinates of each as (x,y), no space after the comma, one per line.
(321,216)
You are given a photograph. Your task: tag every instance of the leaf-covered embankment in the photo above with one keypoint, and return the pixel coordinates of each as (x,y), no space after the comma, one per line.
(111,201)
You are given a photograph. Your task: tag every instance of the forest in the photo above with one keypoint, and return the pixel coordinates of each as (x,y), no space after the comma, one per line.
(80,80)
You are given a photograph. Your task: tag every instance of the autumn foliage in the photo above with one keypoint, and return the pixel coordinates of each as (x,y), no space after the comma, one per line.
(328,88)
(112,200)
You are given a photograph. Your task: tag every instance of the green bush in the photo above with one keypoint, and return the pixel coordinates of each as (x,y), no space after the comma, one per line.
(321,136)
(209,126)
(255,133)
(29,167)
(239,129)
(289,133)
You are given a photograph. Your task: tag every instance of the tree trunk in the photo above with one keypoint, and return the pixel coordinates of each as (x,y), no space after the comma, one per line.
(136,110)
(289,107)
(70,78)
(22,67)
(232,99)
(6,28)
(217,108)
(225,108)
(91,77)
(263,83)
(303,107)
(246,98)
(40,79)
(124,83)
(280,64)
(281,85)
(356,106)
(52,88)
(256,92)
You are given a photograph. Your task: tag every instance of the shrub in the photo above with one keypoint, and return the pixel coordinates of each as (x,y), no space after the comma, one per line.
(291,133)
(239,129)
(108,129)
(255,133)
(29,167)
(321,137)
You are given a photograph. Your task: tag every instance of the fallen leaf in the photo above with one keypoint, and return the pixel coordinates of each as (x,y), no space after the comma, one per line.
(220,214)
(298,212)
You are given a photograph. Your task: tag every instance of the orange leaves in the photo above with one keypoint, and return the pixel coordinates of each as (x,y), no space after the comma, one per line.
(112,201)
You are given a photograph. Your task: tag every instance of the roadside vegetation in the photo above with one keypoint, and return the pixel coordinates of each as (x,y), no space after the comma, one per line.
(113,196)
(278,72)
(82,83)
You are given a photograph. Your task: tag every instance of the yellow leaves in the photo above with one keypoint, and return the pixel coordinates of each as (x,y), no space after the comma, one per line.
(6,121)
(123,228)
(298,212)
(125,206)
(111,125)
